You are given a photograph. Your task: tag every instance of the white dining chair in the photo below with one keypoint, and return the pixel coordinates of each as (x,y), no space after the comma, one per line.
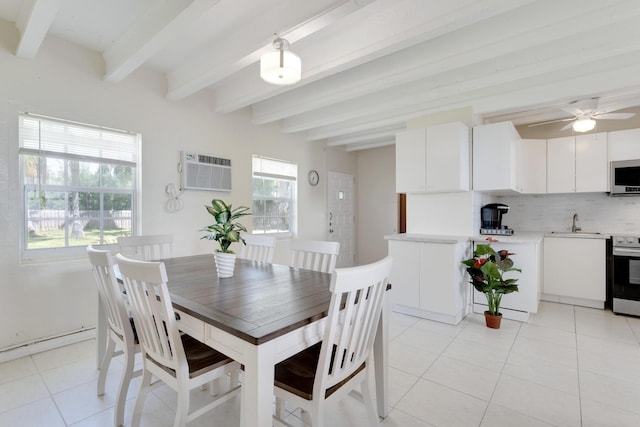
(329,370)
(314,255)
(121,337)
(257,247)
(147,247)
(179,360)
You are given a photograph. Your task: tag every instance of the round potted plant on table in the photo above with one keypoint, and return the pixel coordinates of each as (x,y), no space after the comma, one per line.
(486,269)
(225,231)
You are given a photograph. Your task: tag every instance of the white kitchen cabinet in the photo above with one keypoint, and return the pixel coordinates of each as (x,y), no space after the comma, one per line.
(527,256)
(575,270)
(433,160)
(624,144)
(592,163)
(561,165)
(427,279)
(533,166)
(411,150)
(577,164)
(495,157)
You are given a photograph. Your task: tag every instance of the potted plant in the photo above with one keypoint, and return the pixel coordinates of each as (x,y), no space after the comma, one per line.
(225,231)
(486,270)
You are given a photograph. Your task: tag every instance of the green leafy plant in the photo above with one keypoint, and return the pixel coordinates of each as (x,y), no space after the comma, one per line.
(486,270)
(226,229)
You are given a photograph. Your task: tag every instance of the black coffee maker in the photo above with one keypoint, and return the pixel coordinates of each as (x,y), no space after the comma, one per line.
(491,219)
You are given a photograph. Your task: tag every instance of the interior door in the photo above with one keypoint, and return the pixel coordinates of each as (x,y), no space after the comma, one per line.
(341,216)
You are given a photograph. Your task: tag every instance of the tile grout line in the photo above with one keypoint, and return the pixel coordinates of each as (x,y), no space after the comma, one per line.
(575,326)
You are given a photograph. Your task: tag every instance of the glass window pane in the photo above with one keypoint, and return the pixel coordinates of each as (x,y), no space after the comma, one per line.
(45,219)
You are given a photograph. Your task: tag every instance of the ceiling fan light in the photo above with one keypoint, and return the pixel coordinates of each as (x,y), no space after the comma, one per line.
(280,67)
(584,125)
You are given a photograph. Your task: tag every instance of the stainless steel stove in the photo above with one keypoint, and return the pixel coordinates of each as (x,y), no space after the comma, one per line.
(626,274)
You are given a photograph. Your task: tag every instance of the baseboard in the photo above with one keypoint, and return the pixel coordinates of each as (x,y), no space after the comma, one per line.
(451,319)
(46,344)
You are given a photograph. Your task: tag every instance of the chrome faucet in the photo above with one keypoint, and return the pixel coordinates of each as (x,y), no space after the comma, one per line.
(574,228)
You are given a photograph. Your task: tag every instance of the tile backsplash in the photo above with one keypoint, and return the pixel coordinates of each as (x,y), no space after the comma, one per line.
(597,212)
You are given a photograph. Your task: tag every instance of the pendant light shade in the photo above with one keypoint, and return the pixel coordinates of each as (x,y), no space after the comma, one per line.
(584,125)
(280,67)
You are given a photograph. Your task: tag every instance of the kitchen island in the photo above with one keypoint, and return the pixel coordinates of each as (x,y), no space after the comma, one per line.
(429,280)
(427,276)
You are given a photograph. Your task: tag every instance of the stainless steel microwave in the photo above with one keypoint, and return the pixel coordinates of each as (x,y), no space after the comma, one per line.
(625,178)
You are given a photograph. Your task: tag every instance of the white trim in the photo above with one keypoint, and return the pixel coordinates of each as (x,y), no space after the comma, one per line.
(46,344)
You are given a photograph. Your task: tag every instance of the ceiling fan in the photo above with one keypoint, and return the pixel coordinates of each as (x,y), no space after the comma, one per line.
(585,113)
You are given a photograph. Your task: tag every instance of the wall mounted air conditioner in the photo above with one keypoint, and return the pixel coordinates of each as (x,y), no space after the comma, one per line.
(204,172)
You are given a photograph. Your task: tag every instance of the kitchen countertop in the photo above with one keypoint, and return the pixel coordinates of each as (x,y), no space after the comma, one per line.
(429,238)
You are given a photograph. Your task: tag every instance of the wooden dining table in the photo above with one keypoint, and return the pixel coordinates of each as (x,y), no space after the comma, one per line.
(262,315)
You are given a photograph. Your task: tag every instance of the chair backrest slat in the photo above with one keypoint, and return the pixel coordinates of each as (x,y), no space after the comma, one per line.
(146,286)
(146,248)
(314,255)
(113,300)
(258,248)
(351,328)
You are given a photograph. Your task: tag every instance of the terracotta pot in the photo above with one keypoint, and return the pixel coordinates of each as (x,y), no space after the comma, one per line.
(225,264)
(492,320)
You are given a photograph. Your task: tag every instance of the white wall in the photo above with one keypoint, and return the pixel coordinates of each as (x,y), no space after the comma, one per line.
(377,202)
(40,300)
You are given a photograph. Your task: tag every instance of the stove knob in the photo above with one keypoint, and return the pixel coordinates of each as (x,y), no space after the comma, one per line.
(630,240)
(619,239)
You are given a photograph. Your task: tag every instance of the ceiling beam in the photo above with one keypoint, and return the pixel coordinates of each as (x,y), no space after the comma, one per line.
(358,147)
(367,34)
(526,27)
(33,22)
(229,55)
(378,134)
(164,21)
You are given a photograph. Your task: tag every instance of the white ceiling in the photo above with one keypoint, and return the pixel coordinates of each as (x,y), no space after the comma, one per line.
(368,65)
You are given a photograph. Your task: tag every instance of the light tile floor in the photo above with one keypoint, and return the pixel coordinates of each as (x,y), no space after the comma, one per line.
(569,366)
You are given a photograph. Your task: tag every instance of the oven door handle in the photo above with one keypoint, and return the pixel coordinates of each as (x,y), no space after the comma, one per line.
(626,252)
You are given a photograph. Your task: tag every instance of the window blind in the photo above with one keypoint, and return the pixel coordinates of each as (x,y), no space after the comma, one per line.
(41,135)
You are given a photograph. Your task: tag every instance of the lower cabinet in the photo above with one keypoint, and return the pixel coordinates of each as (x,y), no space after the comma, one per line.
(575,271)
(428,280)
(518,305)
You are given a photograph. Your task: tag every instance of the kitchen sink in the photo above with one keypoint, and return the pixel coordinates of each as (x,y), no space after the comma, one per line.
(575,233)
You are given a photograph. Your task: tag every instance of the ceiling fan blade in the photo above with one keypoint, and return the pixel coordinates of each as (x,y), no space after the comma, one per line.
(613,116)
(568,126)
(551,121)
(575,111)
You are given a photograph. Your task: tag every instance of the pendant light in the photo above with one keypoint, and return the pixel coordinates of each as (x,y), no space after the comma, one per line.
(280,67)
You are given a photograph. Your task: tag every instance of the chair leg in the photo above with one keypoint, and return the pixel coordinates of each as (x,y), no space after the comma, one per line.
(142,395)
(104,365)
(125,379)
(280,408)
(372,414)
(182,411)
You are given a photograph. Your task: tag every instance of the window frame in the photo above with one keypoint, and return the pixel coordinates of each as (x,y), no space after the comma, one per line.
(293,179)
(74,251)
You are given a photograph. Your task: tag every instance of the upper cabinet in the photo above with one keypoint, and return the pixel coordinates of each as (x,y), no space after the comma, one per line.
(624,144)
(577,164)
(495,157)
(533,166)
(433,160)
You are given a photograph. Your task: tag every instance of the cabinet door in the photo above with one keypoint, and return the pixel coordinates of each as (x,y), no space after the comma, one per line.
(447,158)
(410,161)
(533,166)
(561,165)
(405,273)
(493,155)
(575,267)
(592,164)
(437,285)
(624,144)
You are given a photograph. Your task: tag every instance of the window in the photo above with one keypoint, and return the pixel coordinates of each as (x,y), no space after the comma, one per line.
(274,196)
(78,185)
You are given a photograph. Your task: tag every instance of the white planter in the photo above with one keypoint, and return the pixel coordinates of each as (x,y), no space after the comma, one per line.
(225,264)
